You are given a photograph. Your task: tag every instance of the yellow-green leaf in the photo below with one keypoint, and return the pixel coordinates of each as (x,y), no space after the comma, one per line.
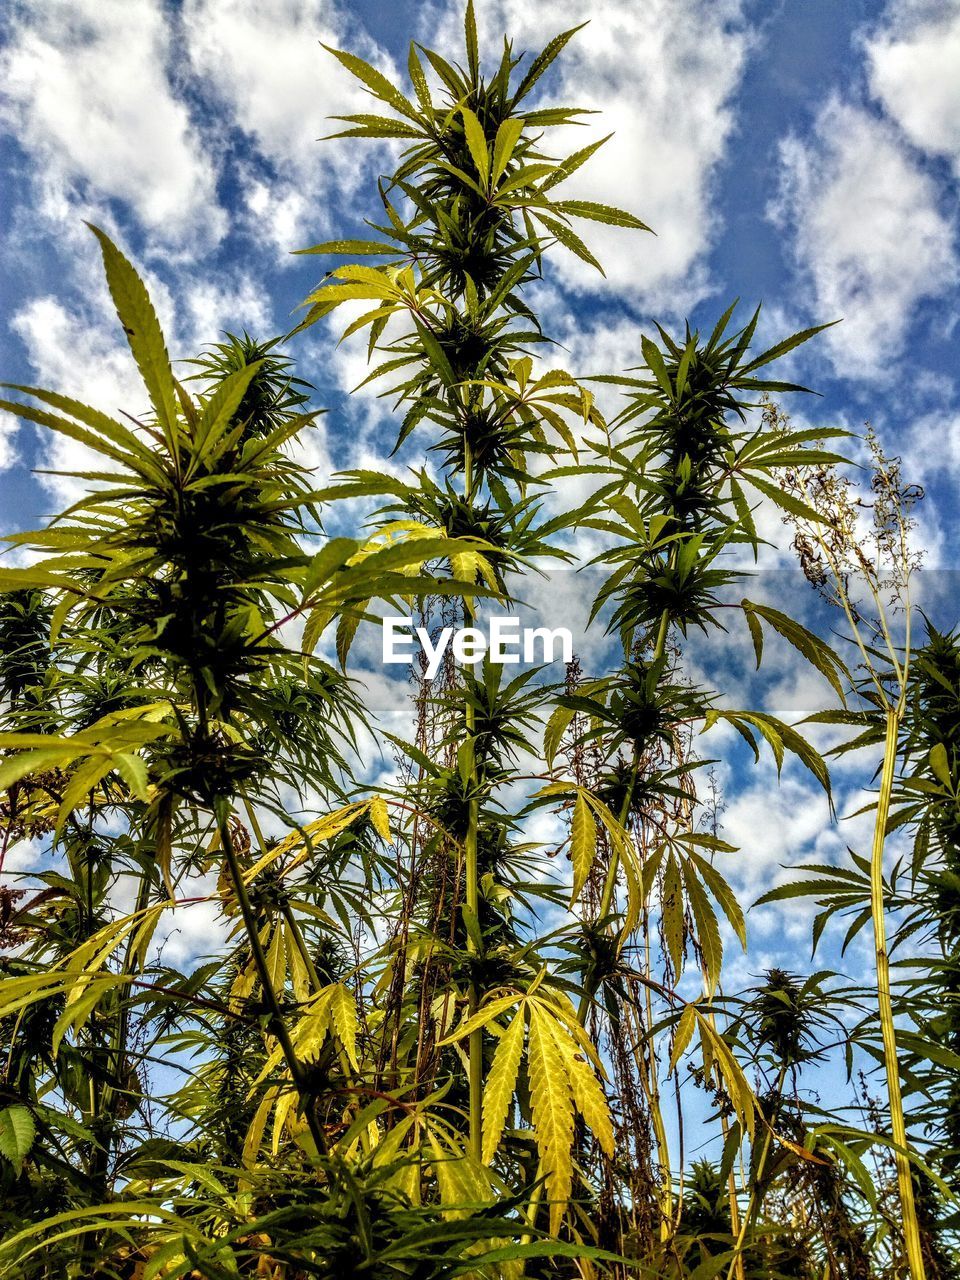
(380,817)
(551,1103)
(477,143)
(500,1085)
(583,844)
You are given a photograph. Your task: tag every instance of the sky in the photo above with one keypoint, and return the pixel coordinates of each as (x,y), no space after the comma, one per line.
(800,153)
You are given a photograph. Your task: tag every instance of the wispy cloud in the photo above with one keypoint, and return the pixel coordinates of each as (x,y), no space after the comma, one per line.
(869,237)
(914,71)
(91,99)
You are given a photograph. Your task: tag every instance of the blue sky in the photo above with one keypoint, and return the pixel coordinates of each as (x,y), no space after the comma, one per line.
(802,154)
(805,154)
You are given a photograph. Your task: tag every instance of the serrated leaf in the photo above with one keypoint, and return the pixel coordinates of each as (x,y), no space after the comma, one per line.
(470,36)
(683,1035)
(940,764)
(18,1130)
(543,60)
(480,1019)
(508,135)
(551,1103)
(477,144)
(672,911)
(343,1014)
(376,82)
(557,726)
(708,932)
(786,500)
(604,213)
(583,844)
(500,1084)
(144,335)
(586,1090)
(380,817)
(570,240)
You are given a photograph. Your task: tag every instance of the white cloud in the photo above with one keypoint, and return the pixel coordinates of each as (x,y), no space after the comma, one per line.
(82,359)
(775,826)
(81,352)
(8,448)
(662,75)
(265,64)
(90,99)
(869,238)
(913,70)
(931,457)
(232,305)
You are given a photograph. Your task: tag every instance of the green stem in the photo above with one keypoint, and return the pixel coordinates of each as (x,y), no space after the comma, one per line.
(286,910)
(610,881)
(277,1024)
(753,1205)
(472,890)
(911,1230)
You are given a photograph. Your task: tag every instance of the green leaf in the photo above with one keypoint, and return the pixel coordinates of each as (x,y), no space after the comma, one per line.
(557,726)
(419,81)
(940,764)
(477,143)
(672,911)
(551,1103)
(786,500)
(371,247)
(17,1132)
(816,651)
(604,213)
(657,365)
(583,844)
(708,932)
(683,1034)
(574,162)
(756,634)
(570,240)
(543,60)
(473,48)
(139,320)
(724,895)
(508,135)
(788,344)
(376,82)
(326,562)
(126,441)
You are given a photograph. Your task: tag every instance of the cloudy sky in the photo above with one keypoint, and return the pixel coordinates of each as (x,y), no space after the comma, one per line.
(800,153)
(805,155)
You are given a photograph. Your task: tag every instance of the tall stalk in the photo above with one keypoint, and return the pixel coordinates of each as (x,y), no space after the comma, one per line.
(891,1063)
(471,870)
(277,1022)
(831,553)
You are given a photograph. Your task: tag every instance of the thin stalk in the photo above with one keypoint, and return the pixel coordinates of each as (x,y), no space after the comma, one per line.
(277,1023)
(738,1271)
(753,1205)
(646,1060)
(471,876)
(911,1230)
(286,910)
(610,882)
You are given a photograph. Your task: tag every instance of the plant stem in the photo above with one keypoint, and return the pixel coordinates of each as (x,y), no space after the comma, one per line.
(286,910)
(277,1024)
(610,882)
(753,1205)
(471,876)
(911,1230)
